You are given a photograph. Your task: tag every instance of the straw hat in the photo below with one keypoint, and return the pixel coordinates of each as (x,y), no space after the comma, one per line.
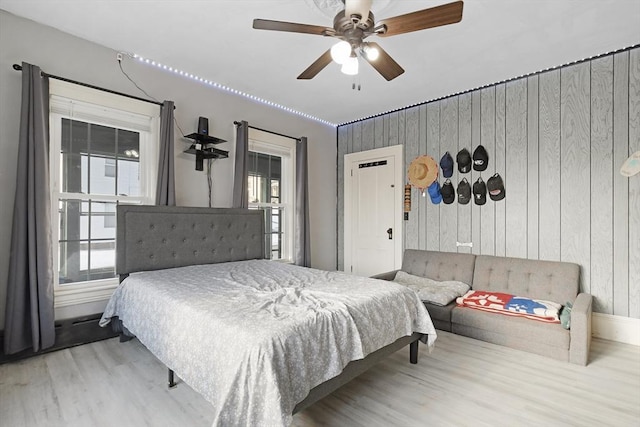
(423,170)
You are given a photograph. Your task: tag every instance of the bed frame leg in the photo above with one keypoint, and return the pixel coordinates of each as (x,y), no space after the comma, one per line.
(413,352)
(172,382)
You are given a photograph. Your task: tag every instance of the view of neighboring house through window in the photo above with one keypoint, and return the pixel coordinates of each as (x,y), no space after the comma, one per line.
(265,177)
(271,188)
(98,161)
(103,153)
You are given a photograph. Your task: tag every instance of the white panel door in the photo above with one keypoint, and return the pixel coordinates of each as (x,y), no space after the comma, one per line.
(373,202)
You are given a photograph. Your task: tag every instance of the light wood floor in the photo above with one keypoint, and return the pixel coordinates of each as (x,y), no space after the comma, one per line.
(464,382)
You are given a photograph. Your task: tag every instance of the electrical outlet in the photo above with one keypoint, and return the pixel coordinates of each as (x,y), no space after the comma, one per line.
(119,56)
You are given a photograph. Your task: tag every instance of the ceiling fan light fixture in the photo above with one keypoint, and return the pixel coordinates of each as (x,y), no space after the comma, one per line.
(371,52)
(340,52)
(355,23)
(350,66)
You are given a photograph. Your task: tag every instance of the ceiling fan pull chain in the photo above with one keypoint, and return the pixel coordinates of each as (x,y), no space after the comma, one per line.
(353,85)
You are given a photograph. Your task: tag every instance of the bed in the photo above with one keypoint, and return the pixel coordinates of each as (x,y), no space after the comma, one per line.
(261,340)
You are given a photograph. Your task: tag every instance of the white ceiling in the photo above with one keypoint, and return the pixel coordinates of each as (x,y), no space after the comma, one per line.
(214,39)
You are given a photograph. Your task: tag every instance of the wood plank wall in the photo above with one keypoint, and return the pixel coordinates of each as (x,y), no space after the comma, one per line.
(558,139)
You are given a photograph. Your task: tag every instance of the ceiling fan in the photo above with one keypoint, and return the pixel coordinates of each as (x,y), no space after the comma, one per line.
(354,24)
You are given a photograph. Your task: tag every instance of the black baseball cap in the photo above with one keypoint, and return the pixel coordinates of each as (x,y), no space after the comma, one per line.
(447,192)
(464,161)
(464,192)
(480,158)
(479,192)
(446,165)
(495,187)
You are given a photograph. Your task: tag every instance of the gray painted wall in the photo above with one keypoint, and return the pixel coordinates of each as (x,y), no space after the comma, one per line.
(558,139)
(64,55)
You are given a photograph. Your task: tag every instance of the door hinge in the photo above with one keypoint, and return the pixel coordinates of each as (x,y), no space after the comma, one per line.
(352,268)
(352,172)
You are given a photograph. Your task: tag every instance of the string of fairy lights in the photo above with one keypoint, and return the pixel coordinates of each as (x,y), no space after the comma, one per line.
(309,116)
(217,85)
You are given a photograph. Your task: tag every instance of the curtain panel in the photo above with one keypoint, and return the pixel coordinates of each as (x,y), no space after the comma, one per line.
(29,315)
(166,187)
(302,245)
(241,169)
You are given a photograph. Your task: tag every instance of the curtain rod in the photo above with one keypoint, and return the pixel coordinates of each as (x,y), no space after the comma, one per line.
(18,67)
(269,131)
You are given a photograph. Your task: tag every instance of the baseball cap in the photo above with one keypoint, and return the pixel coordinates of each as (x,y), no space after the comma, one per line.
(479,192)
(631,166)
(434,193)
(464,160)
(480,158)
(446,164)
(447,192)
(464,192)
(495,186)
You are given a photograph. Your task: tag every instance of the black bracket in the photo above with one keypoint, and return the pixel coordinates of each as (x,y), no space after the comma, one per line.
(172,382)
(413,352)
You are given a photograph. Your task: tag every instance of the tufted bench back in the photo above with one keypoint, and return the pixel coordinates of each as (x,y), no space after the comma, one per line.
(158,237)
(439,265)
(547,280)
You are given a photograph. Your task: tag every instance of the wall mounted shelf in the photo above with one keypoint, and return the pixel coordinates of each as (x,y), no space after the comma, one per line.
(206,151)
(205,139)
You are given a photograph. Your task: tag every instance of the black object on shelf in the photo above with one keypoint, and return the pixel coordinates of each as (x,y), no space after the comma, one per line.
(203,148)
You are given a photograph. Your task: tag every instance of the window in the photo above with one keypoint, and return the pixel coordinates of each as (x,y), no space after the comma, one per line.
(110,167)
(103,153)
(271,188)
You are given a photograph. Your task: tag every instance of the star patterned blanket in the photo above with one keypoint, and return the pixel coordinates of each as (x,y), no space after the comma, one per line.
(499,302)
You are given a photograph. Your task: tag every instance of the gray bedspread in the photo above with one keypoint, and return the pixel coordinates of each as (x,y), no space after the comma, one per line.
(253,337)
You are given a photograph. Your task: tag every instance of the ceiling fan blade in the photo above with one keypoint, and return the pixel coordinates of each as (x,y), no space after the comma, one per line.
(292,27)
(384,63)
(357,7)
(445,14)
(316,67)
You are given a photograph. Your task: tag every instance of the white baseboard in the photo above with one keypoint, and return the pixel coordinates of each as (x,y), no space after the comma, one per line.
(616,328)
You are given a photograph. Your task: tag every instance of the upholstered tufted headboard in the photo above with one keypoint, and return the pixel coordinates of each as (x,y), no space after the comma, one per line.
(157,237)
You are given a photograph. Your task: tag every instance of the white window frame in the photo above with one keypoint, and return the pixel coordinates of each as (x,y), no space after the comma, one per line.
(284,147)
(71,101)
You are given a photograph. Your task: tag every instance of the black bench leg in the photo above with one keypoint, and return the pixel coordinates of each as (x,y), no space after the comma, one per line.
(172,382)
(413,352)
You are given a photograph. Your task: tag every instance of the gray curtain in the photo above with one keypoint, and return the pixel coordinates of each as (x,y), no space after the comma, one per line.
(29,315)
(166,188)
(302,255)
(241,171)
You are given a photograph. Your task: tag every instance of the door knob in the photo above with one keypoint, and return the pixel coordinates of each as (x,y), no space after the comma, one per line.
(390,233)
